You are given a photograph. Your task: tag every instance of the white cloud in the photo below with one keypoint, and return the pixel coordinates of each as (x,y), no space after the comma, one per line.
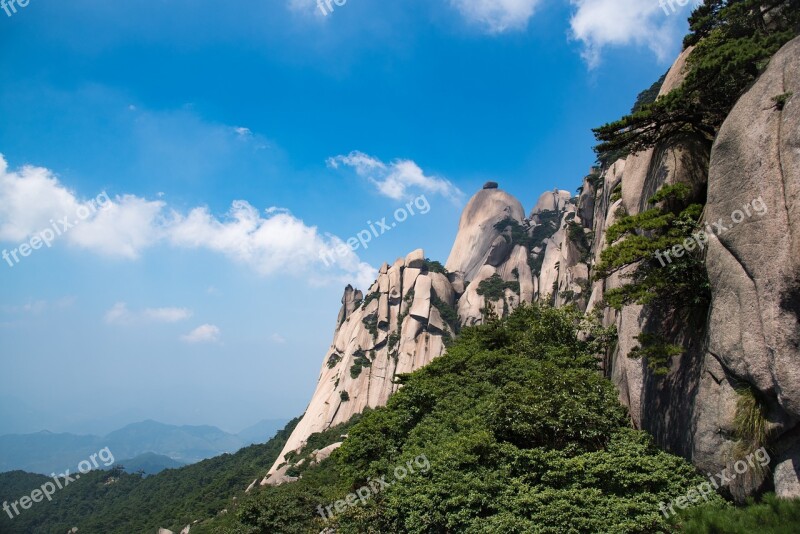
(120,314)
(29,199)
(397,179)
(277,338)
(492,16)
(207,333)
(602,23)
(497,16)
(167,315)
(276,242)
(124,228)
(33,199)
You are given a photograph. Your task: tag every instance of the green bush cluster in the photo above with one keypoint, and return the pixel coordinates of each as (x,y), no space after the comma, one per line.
(769,516)
(333,360)
(433,266)
(360,361)
(522,434)
(518,235)
(494,288)
(634,240)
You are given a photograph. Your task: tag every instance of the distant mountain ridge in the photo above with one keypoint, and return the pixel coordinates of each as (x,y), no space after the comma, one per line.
(149,463)
(47,452)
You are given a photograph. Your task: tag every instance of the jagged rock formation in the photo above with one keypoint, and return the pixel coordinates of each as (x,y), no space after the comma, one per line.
(399,326)
(501,258)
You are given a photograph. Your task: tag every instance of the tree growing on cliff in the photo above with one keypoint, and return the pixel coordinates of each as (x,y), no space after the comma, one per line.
(733,40)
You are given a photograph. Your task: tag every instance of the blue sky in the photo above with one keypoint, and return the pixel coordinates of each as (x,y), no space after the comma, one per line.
(225,145)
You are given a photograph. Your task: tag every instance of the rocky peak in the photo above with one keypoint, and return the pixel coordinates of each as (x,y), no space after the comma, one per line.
(477,231)
(415,305)
(399,326)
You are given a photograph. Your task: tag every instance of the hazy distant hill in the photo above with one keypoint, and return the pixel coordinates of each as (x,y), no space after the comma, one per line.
(262,431)
(149,463)
(46,452)
(114,502)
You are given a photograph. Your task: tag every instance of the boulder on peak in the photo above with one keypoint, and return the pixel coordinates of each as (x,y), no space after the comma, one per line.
(555,200)
(416,259)
(477,232)
(490,185)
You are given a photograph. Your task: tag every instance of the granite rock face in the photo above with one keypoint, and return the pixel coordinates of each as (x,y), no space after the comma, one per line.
(399,326)
(500,258)
(754,266)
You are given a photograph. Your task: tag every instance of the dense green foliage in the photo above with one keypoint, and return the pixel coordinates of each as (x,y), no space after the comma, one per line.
(656,351)
(734,40)
(494,288)
(333,360)
(522,434)
(770,516)
(649,95)
(581,239)
(375,295)
(433,266)
(675,283)
(360,361)
(114,502)
(641,241)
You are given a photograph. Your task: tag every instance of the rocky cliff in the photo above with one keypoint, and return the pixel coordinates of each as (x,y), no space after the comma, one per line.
(748,340)
(415,305)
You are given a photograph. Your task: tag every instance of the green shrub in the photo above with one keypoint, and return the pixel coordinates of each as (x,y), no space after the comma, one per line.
(333,360)
(448,312)
(616,194)
(656,351)
(581,239)
(521,432)
(370,322)
(769,516)
(360,361)
(636,240)
(780,100)
(494,288)
(369,298)
(433,266)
